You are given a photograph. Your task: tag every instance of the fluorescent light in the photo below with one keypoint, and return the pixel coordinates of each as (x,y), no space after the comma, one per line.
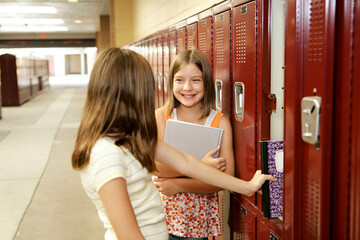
(22,21)
(33,29)
(73,1)
(78,21)
(28,9)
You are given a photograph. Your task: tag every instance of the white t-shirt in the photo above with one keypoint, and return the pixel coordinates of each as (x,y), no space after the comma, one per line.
(107,162)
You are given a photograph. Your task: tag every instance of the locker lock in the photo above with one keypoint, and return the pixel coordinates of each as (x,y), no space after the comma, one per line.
(310,119)
(273,100)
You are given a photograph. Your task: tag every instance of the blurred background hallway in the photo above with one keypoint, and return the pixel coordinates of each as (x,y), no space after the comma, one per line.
(38,188)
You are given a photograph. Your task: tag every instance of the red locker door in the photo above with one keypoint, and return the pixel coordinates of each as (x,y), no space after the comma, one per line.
(166,62)
(355,154)
(160,73)
(346,210)
(310,72)
(192,35)
(154,65)
(242,221)
(318,79)
(244,89)
(204,37)
(181,39)
(221,63)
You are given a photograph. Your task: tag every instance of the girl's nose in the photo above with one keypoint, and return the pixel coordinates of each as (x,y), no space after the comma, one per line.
(187,85)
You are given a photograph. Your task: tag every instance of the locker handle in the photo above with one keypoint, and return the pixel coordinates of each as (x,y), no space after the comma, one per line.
(165,82)
(218,95)
(159,81)
(239,98)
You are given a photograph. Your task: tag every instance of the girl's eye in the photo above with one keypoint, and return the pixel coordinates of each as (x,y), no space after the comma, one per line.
(197,80)
(177,80)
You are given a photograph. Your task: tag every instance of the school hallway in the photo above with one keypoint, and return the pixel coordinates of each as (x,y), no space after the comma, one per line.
(41,197)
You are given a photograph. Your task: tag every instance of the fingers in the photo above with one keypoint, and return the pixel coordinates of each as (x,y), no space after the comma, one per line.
(213,151)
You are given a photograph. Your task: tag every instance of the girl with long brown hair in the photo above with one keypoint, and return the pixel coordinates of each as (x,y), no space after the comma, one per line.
(117,145)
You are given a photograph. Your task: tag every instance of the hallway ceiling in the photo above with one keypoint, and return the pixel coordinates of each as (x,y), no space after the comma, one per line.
(87,11)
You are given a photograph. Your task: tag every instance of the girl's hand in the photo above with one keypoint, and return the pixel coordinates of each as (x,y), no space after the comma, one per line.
(167,186)
(218,163)
(258,180)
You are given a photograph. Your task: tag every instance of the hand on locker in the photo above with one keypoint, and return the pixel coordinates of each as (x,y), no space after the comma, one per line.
(218,163)
(258,180)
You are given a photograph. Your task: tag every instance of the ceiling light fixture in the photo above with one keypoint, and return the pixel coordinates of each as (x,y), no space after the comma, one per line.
(78,21)
(33,29)
(21,21)
(73,1)
(27,9)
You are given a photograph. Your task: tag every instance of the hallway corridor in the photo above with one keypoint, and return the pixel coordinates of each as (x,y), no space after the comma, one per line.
(41,197)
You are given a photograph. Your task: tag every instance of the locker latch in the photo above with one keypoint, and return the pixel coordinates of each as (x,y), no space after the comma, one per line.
(218,95)
(310,119)
(272,98)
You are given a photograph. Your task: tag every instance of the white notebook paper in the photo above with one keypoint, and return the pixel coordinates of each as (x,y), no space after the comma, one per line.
(192,139)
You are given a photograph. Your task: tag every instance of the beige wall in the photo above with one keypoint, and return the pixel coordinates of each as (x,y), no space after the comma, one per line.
(136,19)
(103,36)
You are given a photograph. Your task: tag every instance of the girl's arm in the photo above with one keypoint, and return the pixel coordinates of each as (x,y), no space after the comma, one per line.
(194,168)
(171,186)
(115,198)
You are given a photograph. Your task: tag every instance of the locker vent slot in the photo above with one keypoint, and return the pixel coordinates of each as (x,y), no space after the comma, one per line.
(239,236)
(219,47)
(180,45)
(191,42)
(312,208)
(240,42)
(316,30)
(202,42)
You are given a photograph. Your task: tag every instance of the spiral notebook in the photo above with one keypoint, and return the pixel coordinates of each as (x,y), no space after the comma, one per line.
(192,139)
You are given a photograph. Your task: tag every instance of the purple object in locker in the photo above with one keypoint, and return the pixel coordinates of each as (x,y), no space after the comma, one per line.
(272,163)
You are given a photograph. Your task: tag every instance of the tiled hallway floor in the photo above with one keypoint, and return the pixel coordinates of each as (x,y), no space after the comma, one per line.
(41,197)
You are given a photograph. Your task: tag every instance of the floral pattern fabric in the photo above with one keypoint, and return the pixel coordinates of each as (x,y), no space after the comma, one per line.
(192,215)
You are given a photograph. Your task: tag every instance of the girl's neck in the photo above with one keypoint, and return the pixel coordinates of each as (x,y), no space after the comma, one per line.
(192,114)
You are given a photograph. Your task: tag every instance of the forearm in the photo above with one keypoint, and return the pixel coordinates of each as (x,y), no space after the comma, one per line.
(165,171)
(194,168)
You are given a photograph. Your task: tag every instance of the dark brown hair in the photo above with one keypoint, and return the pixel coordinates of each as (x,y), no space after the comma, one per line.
(120,102)
(201,62)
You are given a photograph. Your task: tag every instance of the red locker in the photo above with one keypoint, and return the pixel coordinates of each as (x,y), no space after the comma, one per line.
(15,80)
(355,135)
(166,65)
(192,33)
(181,36)
(244,89)
(244,227)
(346,215)
(310,63)
(221,71)
(204,34)
(154,65)
(160,72)
(221,56)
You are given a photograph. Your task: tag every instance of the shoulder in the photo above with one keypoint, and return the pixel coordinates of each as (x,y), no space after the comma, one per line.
(159,113)
(224,122)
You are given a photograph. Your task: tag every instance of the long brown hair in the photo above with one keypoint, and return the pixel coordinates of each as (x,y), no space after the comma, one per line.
(120,102)
(201,62)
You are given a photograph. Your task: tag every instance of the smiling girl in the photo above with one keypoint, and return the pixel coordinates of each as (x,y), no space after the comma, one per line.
(191,206)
